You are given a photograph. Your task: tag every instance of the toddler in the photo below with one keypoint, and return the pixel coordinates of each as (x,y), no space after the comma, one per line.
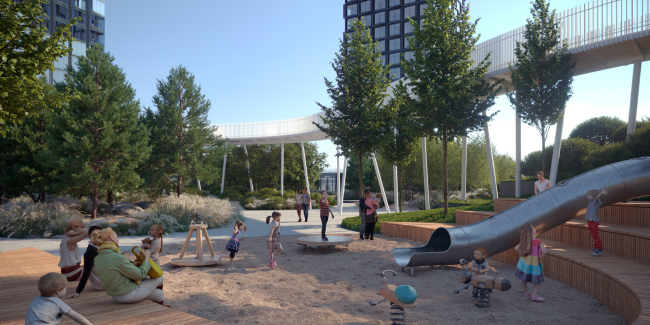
(48,307)
(529,267)
(233,243)
(155,244)
(480,266)
(273,243)
(592,219)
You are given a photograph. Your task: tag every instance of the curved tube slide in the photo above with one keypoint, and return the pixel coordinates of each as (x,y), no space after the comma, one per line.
(625,180)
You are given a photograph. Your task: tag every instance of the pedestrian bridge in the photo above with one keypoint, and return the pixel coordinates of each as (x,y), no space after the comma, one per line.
(601,35)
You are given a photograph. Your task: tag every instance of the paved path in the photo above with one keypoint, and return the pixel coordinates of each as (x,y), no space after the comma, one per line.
(255,221)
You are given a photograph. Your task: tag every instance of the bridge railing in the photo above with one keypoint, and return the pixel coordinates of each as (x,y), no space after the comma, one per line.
(270,128)
(584,27)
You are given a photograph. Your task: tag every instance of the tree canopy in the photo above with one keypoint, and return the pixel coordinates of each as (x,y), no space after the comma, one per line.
(599,130)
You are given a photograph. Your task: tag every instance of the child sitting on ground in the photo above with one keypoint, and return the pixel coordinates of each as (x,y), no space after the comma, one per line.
(48,308)
(480,266)
(592,219)
(233,243)
(155,244)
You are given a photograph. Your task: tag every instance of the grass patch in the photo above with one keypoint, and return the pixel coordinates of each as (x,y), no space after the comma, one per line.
(433,215)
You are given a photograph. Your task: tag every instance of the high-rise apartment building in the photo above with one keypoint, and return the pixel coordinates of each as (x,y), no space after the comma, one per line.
(86,32)
(389,25)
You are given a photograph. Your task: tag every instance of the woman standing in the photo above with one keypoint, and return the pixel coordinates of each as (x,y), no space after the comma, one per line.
(299,203)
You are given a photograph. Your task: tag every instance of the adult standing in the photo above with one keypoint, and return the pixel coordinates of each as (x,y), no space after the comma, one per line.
(299,203)
(306,200)
(123,281)
(541,184)
(362,212)
(371,218)
(324,213)
(70,262)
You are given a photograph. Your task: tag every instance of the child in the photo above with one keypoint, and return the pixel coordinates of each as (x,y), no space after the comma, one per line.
(592,219)
(233,243)
(480,266)
(377,201)
(89,261)
(325,212)
(155,245)
(48,307)
(529,267)
(70,262)
(273,243)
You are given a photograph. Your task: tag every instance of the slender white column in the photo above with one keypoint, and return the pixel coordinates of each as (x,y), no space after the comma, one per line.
(425,172)
(223,172)
(338,176)
(381,184)
(634,99)
(493,178)
(282,169)
(556,149)
(518,156)
(345,171)
(395,189)
(248,168)
(198,183)
(304,164)
(463,177)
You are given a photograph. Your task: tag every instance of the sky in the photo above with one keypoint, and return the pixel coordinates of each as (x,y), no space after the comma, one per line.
(260,60)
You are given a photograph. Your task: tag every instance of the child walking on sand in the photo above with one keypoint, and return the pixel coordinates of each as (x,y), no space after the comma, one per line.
(48,307)
(592,219)
(273,243)
(233,243)
(529,267)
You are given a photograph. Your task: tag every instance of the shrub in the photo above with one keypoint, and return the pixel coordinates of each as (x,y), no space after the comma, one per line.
(169,223)
(187,207)
(232,195)
(289,194)
(131,197)
(266,192)
(21,218)
(435,200)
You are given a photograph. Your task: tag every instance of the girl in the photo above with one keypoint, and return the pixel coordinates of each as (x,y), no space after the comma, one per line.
(123,281)
(325,211)
(89,261)
(529,267)
(273,243)
(70,262)
(155,231)
(299,203)
(233,243)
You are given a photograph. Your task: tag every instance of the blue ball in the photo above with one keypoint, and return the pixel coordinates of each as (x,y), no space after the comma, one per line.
(406,294)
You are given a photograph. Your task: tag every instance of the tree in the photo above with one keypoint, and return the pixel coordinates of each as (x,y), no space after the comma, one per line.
(599,130)
(358,119)
(402,143)
(96,140)
(184,144)
(25,53)
(542,75)
(621,133)
(452,95)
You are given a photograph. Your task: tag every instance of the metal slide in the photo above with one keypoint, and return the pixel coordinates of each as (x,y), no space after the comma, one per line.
(625,180)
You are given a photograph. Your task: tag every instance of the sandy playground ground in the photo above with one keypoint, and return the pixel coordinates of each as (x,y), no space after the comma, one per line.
(314,287)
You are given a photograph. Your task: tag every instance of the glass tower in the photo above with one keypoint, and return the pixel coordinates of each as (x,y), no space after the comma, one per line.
(86,32)
(389,26)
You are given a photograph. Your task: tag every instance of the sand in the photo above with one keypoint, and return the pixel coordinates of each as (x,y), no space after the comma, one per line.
(314,287)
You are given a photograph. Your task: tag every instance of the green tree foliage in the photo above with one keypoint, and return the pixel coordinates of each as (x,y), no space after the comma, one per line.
(621,133)
(599,130)
(184,144)
(96,141)
(542,75)
(20,150)
(369,176)
(25,53)
(637,146)
(402,144)
(265,166)
(451,94)
(574,151)
(358,119)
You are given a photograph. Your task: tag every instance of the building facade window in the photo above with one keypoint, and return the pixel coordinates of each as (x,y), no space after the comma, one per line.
(394,2)
(381,45)
(350,22)
(406,43)
(394,29)
(395,73)
(46,8)
(380,17)
(97,6)
(409,12)
(408,1)
(393,58)
(351,10)
(79,33)
(61,63)
(409,56)
(380,4)
(383,59)
(61,12)
(380,32)
(366,6)
(395,44)
(80,14)
(394,15)
(97,37)
(408,28)
(78,48)
(79,4)
(422,7)
(58,75)
(97,21)
(367,20)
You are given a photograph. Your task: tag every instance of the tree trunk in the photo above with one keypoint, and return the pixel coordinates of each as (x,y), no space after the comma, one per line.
(31,196)
(109,197)
(445,189)
(360,174)
(1,195)
(179,185)
(41,196)
(399,184)
(544,155)
(93,211)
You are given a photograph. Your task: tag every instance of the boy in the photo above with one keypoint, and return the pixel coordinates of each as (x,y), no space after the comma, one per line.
(48,308)
(592,219)
(480,266)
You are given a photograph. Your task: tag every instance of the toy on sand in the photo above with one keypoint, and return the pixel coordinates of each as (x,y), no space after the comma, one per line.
(483,284)
(400,297)
(199,260)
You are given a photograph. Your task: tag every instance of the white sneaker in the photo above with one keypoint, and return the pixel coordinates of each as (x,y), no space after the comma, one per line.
(232,268)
